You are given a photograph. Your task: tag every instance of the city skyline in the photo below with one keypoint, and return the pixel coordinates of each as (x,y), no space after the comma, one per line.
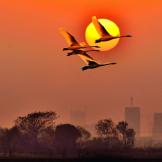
(128,116)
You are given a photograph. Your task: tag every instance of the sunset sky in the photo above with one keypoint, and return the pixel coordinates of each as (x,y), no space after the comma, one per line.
(35,75)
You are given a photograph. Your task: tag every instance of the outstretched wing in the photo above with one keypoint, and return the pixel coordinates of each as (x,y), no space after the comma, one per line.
(87,59)
(68,37)
(99,27)
(83,44)
(86,55)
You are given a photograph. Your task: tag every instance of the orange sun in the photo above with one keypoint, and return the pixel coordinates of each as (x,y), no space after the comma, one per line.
(91,34)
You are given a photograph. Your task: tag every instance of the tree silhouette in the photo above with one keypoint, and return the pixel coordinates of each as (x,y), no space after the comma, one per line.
(130,137)
(9,140)
(66,136)
(46,136)
(4,146)
(46,140)
(85,134)
(33,123)
(122,127)
(105,128)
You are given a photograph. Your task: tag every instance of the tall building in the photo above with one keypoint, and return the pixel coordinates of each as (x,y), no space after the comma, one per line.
(132,117)
(78,117)
(157,126)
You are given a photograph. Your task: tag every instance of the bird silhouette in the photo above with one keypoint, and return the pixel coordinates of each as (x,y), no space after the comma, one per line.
(104,34)
(72,42)
(91,63)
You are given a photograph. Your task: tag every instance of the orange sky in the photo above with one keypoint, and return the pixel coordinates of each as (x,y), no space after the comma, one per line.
(35,74)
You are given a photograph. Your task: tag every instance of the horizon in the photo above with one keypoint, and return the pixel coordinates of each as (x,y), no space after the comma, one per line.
(90,125)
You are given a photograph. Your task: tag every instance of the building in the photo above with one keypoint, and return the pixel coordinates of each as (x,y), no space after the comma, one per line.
(157,126)
(78,117)
(132,117)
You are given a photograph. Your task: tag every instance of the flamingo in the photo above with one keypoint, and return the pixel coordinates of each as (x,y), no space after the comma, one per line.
(91,63)
(73,44)
(104,34)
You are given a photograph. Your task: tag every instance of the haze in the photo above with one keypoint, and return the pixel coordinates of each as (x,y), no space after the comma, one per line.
(35,75)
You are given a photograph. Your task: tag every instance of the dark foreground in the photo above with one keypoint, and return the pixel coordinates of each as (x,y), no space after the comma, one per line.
(125,155)
(81,160)
(130,156)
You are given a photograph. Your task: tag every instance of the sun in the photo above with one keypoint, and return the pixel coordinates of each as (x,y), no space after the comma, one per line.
(91,34)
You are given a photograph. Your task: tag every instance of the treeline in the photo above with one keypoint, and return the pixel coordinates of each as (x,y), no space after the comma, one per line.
(37,134)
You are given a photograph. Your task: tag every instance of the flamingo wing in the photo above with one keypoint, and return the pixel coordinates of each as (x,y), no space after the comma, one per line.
(99,27)
(86,55)
(87,59)
(69,38)
(83,44)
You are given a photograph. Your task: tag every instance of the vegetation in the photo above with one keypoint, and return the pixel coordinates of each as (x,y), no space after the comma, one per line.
(37,134)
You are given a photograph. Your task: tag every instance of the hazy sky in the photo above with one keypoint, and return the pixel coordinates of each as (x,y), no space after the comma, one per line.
(35,75)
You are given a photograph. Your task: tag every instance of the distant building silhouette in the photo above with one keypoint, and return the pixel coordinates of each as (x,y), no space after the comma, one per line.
(157,126)
(78,117)
(132,116)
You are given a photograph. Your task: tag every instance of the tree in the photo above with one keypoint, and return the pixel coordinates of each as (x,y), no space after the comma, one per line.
(122,127)
(66,136)
(85,134)
(9,140)
(46,140)
(4,147)
(105,128)
(33,123)
(130,137)
(117,134)
(46,136)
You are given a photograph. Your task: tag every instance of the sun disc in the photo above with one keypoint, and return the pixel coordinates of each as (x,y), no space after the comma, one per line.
(91,34)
